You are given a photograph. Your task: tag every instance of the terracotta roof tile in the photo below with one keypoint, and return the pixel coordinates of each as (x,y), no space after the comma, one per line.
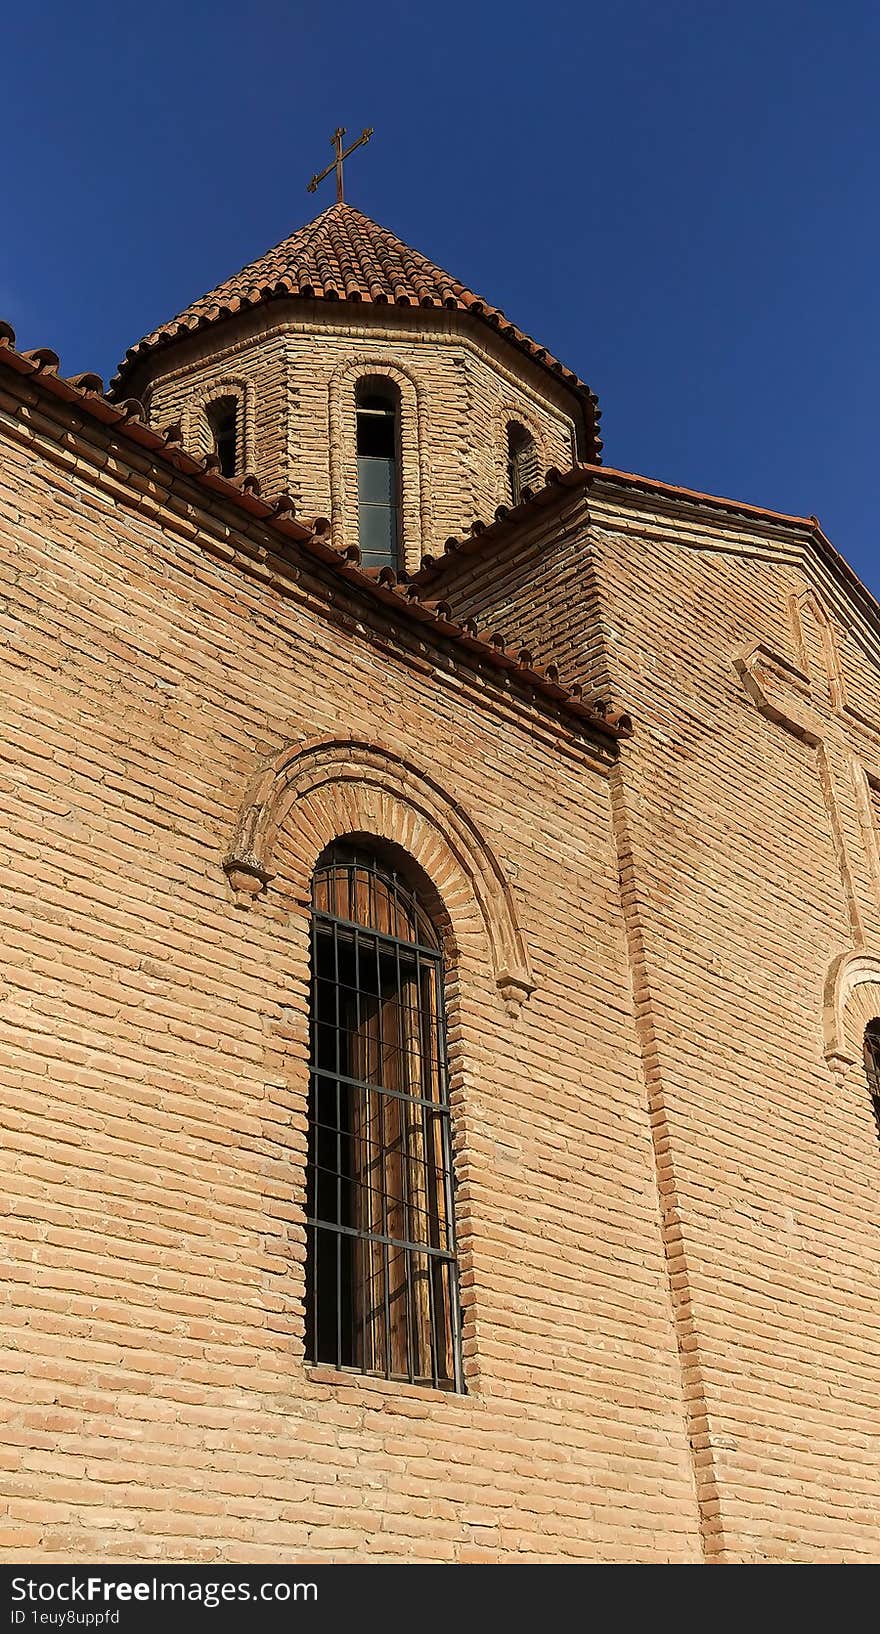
(484,535)
(343,255)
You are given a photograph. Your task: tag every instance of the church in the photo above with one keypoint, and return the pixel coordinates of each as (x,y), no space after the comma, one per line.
(440,971)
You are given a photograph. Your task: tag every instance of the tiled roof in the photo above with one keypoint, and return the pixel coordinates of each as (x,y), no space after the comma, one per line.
(344,256)
(484,536)
(400,595)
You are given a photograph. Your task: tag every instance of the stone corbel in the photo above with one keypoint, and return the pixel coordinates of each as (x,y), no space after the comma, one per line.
(247,876)
(839,1063)
(514,991)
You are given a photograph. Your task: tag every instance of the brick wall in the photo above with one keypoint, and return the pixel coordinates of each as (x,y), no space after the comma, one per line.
(751,896)
(153,1067)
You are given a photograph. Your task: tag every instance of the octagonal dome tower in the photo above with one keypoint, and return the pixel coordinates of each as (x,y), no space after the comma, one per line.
(349,371)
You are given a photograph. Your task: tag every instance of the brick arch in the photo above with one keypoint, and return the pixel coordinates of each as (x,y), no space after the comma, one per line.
(337,788)
(196,430)
(415,481)
(851,1000)
(816,635)
(510,412)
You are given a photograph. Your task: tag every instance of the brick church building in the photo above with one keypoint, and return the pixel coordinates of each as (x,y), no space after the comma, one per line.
(439,959)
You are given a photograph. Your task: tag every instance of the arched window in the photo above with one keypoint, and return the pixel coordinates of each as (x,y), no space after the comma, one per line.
(872,1066)
(222,416)
(523,466)
(378,484)
(381,1273)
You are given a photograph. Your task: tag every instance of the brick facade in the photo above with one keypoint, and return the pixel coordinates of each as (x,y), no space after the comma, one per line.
(153,1047)
(458,391)
(752,900)
(662,954)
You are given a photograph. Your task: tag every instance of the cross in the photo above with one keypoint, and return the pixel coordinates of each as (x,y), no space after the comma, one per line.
(336,142)
(808,699)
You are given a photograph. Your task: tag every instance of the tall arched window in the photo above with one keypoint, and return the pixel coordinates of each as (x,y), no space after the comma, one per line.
(872,1066)
(222,416)
(523,465)
(381,1282)
(378,481)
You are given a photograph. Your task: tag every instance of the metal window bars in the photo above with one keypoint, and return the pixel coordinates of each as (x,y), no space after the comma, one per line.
(382,1279)
(872,1066)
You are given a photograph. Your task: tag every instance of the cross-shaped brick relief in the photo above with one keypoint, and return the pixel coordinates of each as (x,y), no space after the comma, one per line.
(807,697)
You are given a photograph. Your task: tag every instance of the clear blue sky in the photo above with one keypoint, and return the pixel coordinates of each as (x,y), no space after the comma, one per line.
(678,198)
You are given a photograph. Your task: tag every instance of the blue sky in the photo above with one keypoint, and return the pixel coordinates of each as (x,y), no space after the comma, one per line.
(679,199)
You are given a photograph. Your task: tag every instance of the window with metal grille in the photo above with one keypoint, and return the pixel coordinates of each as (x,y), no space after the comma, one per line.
(872,1066)
(381,1274)
(377,439)
(223,420)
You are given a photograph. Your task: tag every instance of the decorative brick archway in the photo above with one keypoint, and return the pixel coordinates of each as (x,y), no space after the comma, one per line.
(513,412)
(415,479)
(326,789)
(334,788)
(196,429)
(851,1000)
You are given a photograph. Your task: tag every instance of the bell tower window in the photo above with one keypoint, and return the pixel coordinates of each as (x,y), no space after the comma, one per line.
(222,416)
(376,406)
(522,462)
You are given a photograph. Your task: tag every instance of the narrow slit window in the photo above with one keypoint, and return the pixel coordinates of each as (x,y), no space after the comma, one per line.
(381,1273)
(378,478)
(223,420)
(522,463)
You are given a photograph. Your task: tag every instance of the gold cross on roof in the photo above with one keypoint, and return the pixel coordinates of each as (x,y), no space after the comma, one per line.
(341,154)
